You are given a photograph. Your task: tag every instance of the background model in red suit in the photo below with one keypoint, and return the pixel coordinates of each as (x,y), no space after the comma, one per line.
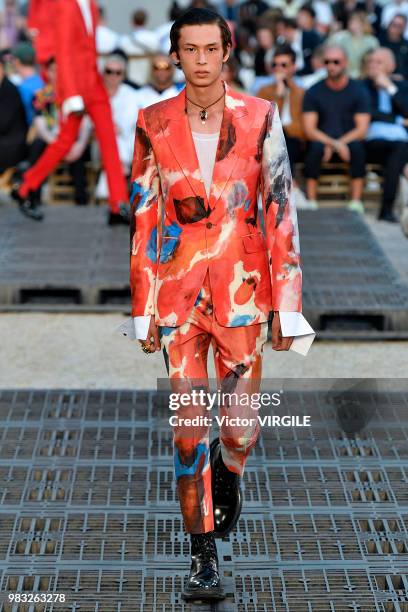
(80,88)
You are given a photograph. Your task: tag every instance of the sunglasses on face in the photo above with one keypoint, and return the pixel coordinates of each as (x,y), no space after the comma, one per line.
(161,66)
(336,62)
(115,72)
(280,65)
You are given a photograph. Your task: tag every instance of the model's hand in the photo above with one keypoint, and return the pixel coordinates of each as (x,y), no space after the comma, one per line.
(152,343)
(279,343)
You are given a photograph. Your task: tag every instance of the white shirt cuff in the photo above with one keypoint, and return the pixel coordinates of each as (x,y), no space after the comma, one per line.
(295,324)
(74,104)
(135,328)
(141,326)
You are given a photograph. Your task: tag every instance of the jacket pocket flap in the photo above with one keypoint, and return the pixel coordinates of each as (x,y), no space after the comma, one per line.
(254,242)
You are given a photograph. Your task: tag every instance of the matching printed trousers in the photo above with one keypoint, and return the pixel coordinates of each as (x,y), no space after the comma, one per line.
(238,365)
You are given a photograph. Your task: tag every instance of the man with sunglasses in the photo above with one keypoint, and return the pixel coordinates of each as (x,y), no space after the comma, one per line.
(161,82)
(336,113)
(202,272)
(289,98)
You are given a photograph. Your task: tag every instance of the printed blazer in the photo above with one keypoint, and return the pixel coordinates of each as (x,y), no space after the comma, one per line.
(177,233)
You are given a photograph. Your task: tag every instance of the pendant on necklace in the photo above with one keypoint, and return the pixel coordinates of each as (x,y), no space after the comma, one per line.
(203,116)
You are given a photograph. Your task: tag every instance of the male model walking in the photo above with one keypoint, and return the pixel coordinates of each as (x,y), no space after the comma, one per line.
(79,89)
(202,271)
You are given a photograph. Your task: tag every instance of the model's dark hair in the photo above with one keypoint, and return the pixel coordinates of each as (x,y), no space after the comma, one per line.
(199,16)
(285,50)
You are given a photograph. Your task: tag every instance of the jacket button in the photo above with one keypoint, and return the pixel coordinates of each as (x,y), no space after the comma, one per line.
(208,225)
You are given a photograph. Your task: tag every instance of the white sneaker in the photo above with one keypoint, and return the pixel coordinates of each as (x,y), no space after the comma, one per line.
(303,203)
(356,205)
(300,199)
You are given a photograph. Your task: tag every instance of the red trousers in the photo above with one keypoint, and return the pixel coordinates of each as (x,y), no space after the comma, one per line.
(101,115)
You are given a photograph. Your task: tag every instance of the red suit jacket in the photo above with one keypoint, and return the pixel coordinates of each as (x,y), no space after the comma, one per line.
(177,233)
(41,17)
(76,54)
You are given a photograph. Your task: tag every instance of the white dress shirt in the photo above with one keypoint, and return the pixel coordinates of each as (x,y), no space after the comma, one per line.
(292,323)
(106,39)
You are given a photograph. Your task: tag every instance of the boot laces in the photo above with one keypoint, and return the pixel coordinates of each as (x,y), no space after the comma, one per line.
(204,544)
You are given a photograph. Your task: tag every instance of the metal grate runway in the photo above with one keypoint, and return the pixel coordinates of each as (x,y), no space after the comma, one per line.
(88,506)
(73,260)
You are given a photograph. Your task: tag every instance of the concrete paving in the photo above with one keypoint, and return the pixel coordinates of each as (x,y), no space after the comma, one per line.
(42,350)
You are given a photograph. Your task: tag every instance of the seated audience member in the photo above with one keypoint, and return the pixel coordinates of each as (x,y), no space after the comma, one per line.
(289,97)
(303,42)
(319,70)
(13,123)
(390,9)
(162,33)
(229,9)
(11,24)
(336,117)
(125,58)
(47,124)
(288,8)
(264,51)
(124,101)
(106,39)
(141,40)
(387,138)
(393,39)
(306,19)
(342,9)
(245,54)
(318,11)
(28,80)
(324,16)
(355,42)
(230,74)
(250,11)
(127,102)
(161,82)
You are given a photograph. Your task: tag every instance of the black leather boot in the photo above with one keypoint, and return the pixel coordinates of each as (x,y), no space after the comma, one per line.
(226,493)
(204,580)
(30,206)
(120,218)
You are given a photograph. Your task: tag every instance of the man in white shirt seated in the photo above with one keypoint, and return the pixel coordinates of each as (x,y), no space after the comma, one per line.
(141,40)
(161,82)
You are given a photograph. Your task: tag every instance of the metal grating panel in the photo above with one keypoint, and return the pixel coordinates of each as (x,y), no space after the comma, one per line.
(88,506)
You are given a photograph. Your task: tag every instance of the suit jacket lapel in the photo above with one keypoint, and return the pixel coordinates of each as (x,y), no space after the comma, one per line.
(229,149)
(177,131)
